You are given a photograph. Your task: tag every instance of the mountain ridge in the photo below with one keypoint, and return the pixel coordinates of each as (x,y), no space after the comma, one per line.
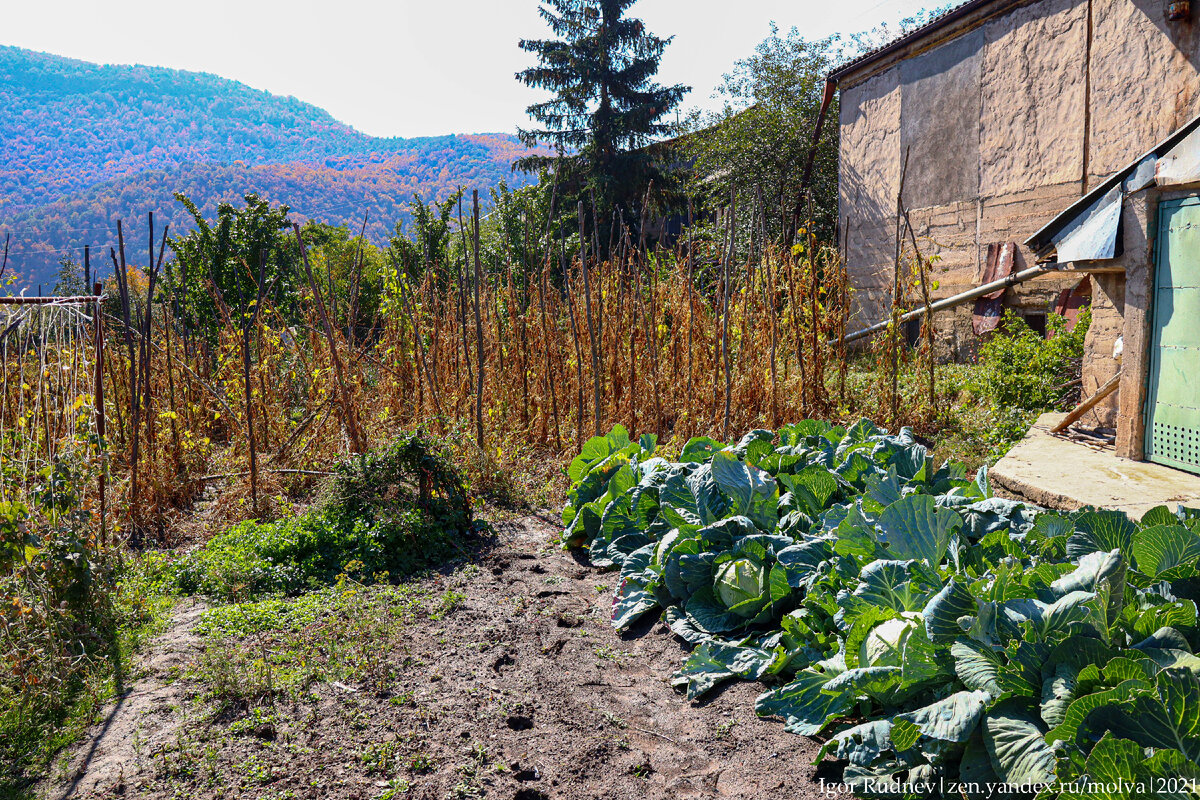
(83,144)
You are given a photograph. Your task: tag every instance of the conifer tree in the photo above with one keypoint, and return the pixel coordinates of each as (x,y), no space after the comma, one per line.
(606,106)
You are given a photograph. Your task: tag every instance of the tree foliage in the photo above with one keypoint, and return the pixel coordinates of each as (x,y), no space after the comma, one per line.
(351,273)
(232,254)
(759,141)
(152,132)
(605,105)
(512,236)
(428,245)
(69,280)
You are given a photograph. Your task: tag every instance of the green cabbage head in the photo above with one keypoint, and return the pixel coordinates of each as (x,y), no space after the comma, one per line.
(884,645)
(741,585)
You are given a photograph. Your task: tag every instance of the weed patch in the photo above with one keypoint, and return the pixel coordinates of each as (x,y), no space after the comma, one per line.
(388,514)
(71,616)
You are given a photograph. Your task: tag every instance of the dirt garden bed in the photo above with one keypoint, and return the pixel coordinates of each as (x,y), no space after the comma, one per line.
(502,679)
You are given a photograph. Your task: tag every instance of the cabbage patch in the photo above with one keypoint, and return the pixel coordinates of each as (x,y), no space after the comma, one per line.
(932,632)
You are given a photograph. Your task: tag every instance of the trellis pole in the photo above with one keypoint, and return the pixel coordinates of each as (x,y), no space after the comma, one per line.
(98,369)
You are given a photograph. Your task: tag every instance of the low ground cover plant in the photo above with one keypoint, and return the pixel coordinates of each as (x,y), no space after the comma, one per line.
(982,407)
(943,638)
(71,612)
(1021,373)
(387,514)
(1020,368)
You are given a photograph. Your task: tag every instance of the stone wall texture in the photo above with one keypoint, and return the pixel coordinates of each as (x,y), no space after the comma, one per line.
(1008,122)
(868,178)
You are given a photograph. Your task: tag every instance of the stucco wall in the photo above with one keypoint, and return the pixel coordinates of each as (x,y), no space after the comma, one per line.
(1032,110)
(992,122)
(999,166)
(868,177)
(1099,361)
(1144,80)
(939,122)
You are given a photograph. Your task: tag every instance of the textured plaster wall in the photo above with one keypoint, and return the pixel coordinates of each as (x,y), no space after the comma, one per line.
(939,122)
(998,167)
(1033,94)
(868,177)
(1099,364)
(992,120)
(1144,80)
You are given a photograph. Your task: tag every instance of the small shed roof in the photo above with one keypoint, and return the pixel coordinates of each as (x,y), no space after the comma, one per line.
(934,25)
(1087,230)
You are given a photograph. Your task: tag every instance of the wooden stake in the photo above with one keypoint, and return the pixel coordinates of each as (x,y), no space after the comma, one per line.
(1110,386)
(927,300)
(691,315)
(356,440)
(895,337)
(479,354)
(410,312)
(591,328)
(102,480)
(725,326)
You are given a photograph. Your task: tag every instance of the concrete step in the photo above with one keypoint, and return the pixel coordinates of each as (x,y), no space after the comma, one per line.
(1056,473)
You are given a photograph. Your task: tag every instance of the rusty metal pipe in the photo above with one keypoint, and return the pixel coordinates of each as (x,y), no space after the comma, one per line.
(959,299)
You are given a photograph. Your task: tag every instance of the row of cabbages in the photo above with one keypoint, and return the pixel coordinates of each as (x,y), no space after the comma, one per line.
(985,642)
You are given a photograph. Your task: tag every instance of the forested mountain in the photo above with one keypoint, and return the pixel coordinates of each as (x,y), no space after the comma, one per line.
(82,145)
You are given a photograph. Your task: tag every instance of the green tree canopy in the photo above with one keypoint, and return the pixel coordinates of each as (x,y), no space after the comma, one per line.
(68,279)
(226,254)
(426,246)
(760,140)
(605,105)
(350,272)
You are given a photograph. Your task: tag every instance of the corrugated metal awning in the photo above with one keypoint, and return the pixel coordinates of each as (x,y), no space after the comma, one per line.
(1090,229)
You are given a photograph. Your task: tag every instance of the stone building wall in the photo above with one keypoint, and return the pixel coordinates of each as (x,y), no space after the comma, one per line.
(1007,122)
(989,121)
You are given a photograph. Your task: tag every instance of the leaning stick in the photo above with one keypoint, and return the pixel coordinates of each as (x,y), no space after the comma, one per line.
(1087,405)
(347,407)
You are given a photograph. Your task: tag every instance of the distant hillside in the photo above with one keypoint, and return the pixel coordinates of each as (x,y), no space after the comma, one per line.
(82,145)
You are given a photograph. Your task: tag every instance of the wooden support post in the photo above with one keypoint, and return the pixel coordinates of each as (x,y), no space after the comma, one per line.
(732,227)
(894,339)
(99,411)
(591,327)
(356,440)
(479,354)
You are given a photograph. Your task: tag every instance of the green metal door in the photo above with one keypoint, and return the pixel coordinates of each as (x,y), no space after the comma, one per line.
(1173,410)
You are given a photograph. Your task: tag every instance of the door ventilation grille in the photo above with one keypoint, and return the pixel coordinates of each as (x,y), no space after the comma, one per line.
(1177,443)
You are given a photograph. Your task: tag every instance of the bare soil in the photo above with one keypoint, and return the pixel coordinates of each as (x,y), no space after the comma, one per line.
(141,718)
(521,690)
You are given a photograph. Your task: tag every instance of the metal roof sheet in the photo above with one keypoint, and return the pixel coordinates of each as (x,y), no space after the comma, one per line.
(949,16)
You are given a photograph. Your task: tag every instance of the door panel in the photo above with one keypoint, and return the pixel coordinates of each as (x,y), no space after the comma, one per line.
(1181,313)
(1173,407)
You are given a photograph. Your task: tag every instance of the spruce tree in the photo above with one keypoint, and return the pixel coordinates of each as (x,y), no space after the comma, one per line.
(606,106)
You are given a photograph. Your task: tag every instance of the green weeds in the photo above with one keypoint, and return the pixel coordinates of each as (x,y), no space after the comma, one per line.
(387,515)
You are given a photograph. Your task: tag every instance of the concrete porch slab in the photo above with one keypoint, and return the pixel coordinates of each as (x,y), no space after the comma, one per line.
(1064,475)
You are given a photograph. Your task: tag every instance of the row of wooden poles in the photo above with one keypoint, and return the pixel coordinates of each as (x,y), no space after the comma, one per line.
(92,303)
(530,359)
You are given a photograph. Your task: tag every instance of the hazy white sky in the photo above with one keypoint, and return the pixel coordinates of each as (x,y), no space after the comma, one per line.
(405,67)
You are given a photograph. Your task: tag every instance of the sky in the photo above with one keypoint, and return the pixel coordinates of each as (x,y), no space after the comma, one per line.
(407,67)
